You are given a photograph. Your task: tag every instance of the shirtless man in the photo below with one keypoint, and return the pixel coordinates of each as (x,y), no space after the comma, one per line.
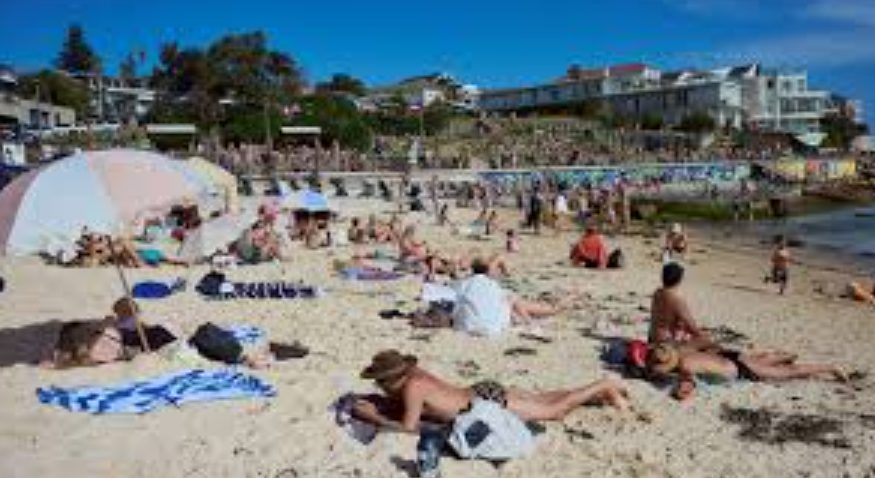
(780,264)
(413,394)
(670,317)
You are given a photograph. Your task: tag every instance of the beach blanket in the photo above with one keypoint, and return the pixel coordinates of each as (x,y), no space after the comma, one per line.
(370,274)
(146,395)
(263,290)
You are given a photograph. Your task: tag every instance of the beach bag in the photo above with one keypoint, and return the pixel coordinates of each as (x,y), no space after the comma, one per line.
(616,260)
(491,432)
(151,290)
(211,284)
(216,344)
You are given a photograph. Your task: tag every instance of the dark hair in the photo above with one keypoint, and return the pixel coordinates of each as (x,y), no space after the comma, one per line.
(672,274)
(511,233)
(479,266)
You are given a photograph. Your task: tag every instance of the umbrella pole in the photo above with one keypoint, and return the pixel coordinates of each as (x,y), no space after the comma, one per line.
(144,342)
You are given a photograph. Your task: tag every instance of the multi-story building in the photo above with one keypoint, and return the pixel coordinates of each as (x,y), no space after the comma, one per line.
(19,113)
(117,100)
(733,97)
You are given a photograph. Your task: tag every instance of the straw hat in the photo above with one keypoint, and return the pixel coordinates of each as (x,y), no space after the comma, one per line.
(663,359)
(388,364)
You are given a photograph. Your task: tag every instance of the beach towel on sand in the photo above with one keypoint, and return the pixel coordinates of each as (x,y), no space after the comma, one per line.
(369,274)
(146,395)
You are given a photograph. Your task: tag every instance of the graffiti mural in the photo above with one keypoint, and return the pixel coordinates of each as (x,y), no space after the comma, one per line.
(609,175)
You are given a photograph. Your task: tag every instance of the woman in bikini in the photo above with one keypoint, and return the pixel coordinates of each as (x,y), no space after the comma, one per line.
(727,364)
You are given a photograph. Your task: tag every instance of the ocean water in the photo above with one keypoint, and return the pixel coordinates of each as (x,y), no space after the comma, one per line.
(850,232)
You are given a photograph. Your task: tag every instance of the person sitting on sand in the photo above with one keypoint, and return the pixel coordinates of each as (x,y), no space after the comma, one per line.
(861,293)
(410,248)
(258,243)
(670,318)
(483,307)
(590,251)
(356,233)
(413,394)
(676,242)
(780,264)
(733,365)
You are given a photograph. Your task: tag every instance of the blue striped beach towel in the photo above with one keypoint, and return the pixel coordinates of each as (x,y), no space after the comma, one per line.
(144,396)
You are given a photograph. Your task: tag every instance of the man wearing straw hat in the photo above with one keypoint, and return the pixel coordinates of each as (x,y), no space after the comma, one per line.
(413,394)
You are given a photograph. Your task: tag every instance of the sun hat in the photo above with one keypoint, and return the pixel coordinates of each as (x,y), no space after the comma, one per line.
(388,364)
(663,359)
(676,228)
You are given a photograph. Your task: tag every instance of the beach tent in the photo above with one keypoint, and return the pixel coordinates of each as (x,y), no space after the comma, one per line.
(224,183)
(104,191)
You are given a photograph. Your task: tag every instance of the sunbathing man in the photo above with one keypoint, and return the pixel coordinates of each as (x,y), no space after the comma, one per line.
(414,394)
(670,318)
(731,365)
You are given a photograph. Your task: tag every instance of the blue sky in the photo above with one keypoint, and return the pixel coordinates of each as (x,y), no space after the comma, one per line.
(490,43)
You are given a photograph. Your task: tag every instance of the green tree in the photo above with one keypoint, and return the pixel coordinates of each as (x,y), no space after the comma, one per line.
(651,122)
(76,55)
(698,122)
(339,119)
(128,68)
(57,88)
(841,130)
(342,83)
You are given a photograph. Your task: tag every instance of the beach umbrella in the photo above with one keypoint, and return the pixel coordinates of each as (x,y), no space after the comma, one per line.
(213,236)
(222,181)
(306,200)
(103,191)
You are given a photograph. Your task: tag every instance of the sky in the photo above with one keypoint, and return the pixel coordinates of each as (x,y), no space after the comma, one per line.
(490,43)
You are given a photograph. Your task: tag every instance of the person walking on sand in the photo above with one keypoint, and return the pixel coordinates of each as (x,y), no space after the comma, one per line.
(413,394)
(780,264)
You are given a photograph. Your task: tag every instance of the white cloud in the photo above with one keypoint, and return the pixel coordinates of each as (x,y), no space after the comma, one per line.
(828,49)
(857,12)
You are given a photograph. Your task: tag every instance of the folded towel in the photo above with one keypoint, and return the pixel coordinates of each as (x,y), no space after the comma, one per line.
(245,334)
(146,395)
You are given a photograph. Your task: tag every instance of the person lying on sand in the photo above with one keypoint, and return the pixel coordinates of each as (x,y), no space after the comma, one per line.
(670,318)
(115,338)
(413,394)
(459,266)
(733,365)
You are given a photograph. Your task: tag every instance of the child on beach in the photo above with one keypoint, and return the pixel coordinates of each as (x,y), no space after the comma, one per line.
(780,264)
(512,244)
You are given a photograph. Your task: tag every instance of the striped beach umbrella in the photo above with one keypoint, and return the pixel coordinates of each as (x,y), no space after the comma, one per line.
(103,191)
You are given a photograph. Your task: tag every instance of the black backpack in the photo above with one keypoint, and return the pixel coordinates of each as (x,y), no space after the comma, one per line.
(210,285)
(216,343)
(616,260)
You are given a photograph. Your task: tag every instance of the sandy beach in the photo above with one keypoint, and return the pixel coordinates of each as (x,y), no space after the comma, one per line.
(815,429)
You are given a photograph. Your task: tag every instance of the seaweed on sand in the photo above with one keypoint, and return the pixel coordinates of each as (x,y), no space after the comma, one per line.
(776,428)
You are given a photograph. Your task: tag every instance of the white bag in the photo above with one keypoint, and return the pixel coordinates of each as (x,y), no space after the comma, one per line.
(506,436)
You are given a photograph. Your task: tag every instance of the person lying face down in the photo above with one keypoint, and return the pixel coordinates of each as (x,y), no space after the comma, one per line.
(411,394)
(725,364)
(115,338)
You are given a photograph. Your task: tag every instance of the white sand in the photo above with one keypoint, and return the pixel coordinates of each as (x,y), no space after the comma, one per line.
(293,435)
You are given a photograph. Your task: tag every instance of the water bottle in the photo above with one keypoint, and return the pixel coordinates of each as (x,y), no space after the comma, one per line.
(428,452)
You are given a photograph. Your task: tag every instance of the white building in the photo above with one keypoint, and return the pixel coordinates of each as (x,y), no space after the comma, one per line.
(30,114)
(115,100)
(733,96)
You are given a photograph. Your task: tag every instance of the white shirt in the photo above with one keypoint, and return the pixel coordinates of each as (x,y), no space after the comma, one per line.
(561,204)
(482,307)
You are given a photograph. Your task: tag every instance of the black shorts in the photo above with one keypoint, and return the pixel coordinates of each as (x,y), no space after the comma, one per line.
(780,275)
(490,391)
